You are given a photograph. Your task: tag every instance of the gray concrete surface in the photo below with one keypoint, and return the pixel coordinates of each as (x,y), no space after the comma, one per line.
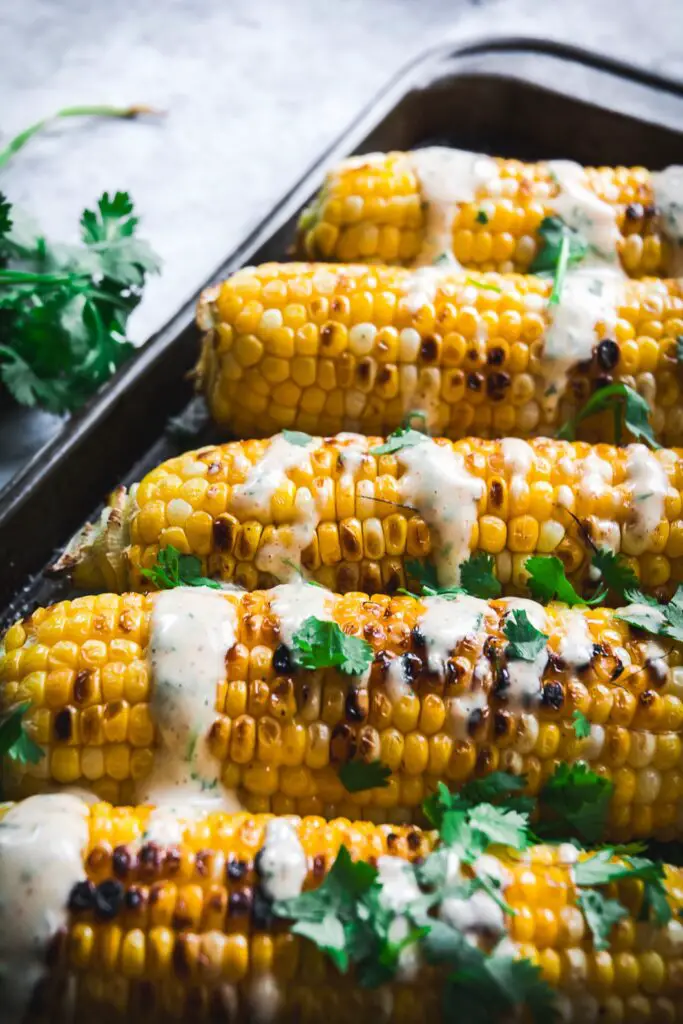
(252,89)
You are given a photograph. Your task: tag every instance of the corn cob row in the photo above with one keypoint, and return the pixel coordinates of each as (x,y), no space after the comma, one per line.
(323,349)
(429,709)
(381,209)
(253,511)
(182,929)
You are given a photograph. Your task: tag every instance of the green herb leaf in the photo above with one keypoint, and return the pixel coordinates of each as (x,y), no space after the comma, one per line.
(500,826)
(601,915)
(297,437)
(630,410)
(552,233)
(548,581)
(656,906)
(526,642)
(617,575)
(601,869)
(662,620)
(484,285)
(482,217)
(575,800)
(404,437)
(423,574)
(328,935)
(359,775)
(560,272)
(581,725)
(320,644)
(477,578)
(172,569)
(15,742)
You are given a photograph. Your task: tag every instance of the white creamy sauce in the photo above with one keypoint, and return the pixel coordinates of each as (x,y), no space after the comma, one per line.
(668,195)
(438,485)
(444,624)
(396,681)
(588,295)
(648,484)
(596,479)
(594,743)
(582,210)
(282,862)
(165,827)
(447,178)
(398,882)
(191,631)
(576,643)
(421,287)
(518,456)
(478,913)
(282,556)
(459,709)
(42,840)
(526,677)
(353,450)
(293,603)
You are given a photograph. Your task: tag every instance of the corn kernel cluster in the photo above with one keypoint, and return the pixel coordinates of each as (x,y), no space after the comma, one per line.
(328,348)
(374,213)
(282,737)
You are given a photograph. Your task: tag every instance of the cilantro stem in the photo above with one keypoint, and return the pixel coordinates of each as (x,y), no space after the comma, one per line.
(483,284)
(20,140)
(560,271)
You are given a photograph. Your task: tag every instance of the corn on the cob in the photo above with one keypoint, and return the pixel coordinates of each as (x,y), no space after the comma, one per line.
(253,511)
(440,701)
(398,208)
(131,927)
(326,348)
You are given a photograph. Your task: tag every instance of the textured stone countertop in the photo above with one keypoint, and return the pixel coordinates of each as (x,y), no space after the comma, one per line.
(253,90)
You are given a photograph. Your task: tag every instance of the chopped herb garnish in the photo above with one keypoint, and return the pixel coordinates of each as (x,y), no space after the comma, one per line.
(629,409)
(552,233)
(484,285)
(601,915)
(526,642)
(574,801)
(65,308)
(321,644)
(15,742)
(482,217)
(477,578)
(420,416)
(404,437)
(548,581)
(359,775)
(297,437)
(560,272)
(617,574)
(662,620)
(581,725)
(172,569)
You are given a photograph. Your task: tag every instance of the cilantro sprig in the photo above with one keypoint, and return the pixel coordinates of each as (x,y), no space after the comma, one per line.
(580,725)
(172,569)
(630,412)
(403,437)
(15,742)
(555,236)
(321,644)
(297,437)
(476,578)
(64,309)
(548,582)
(525,641)
(357,776)
(662,620)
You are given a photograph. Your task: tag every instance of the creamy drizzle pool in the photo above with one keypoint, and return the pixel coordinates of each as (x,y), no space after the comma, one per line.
(437,484)
(667,186)
(447,178)
(588,296)
(581,209)
(648,484)
(191,631)
(293,603)
(526,677)
(42,840)
(281,556)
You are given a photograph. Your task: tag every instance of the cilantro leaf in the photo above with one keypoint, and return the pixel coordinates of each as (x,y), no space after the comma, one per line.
(424,574)
(482,217)
(297,437)
(548,581)
(328,935)
(643,616)
(500,826)
(484,285)
(15,742)
(656,906)
(404,437)
(601,915)
(601,869)
(617,574)
(581,725)
(320,644)
(629,409)
(5,217)
(359,775)
(552,233)
(477,578)
(574,800)
(496,787)
(560,271)
(526,642)
(172,569)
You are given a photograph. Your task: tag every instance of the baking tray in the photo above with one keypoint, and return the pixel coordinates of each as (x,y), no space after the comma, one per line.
(521,97)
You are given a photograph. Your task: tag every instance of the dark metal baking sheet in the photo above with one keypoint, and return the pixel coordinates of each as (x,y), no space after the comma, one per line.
(519,97)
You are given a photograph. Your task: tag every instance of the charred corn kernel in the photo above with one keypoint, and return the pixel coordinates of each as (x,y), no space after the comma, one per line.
(354,525)
(415,349)
(176,922)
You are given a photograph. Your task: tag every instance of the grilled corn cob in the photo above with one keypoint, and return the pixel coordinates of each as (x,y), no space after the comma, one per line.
(397,208)
(180,928)
(254,511)
(325,348)
(440,700)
